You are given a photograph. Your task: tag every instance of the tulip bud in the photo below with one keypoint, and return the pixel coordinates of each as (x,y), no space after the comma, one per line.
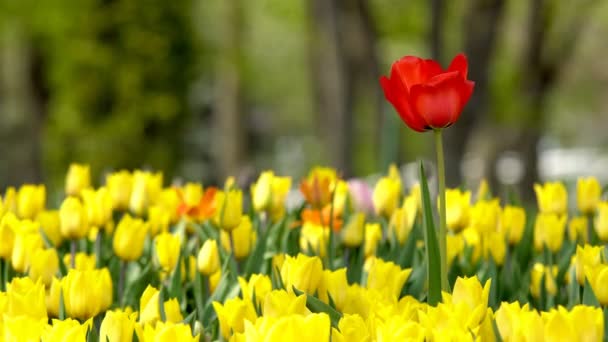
(484,216)
(44,264)
(577,229)
(455,246)
(386,196)
(588,192)
(280,303)
(146,190)
(402,221)
(495,247)
(83,261)
(549,230)
(233,314)
(77,179)
(469,293)
(117,326)
(53,298)
(313,238)
(387,277)
(99,206)
(353,232)
(193,192)
(552,198)
(167,248)
(208,261)
(598,278)
(129,238)
(50,224)
(261,191)
(458,207)
(73,219)
(538,272)
(86,293)
(119,185)
(8,225)
(31,199)
(588,323)
(373,235)
(27,241)
(10,200)
(601,221)
(243,238)
(513,223)
(302,272)
(229,209)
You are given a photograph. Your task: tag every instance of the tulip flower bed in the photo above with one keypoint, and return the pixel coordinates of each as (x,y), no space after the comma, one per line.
(133,260)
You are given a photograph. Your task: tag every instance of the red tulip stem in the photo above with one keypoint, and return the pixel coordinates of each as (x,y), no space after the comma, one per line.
(442,211)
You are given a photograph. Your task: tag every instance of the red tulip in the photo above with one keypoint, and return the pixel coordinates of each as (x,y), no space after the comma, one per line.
(426,96)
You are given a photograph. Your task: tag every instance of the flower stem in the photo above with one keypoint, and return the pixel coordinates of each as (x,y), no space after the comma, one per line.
(442,211)
(121,281)
(73,247)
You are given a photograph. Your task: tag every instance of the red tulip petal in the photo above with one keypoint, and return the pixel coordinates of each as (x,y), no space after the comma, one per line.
(395,93)
(460,63)
(441,100)
(412,70)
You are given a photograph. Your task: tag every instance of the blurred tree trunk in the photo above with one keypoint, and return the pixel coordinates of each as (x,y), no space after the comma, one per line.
(22,106)
(344,68)
(482,24)
(229,114)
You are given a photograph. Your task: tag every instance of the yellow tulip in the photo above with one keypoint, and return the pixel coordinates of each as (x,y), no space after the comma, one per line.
(9,202)
(243,238)
(458,207)
(313,238)
(192,192)
(50,224)
(44,264)
(302,272)
(473,239)
(577,229)
(402,220)
(67,330)
(99,206)
(167,248)
(588,192)
(387,277)
(396,328)
(8,224)
(455,246)
(513,223)
(208,261)
(169,200)
(334,284)
(314,327)
(229,209)
(120,184)
(495,246)
(373,235)
(27,241)
(353,232)
(261,191)
(485,215)
(601,221)
(83,261)
(598,276)
(588,322)
(168,332)
(146,190)
(508,318)
(549,231)
(354,328)
(128,242)
(279,303)
(258,284)
(53,297)
(558,326)
(149,311)
(23,328)
(25,297)
(159,219)
(233,314)
(77,179)
(117,326)
(469,294)
(386,196)
(586,257)
(31,199)
(538,272)
(73,219)
(552,198)
(87,293)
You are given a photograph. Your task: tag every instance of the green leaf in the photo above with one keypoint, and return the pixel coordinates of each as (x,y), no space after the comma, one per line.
(564,261)
(574,290)
(431,243)
(406,255)
(198,295)
(148,275)
(315,305)
(496,331)
(161,304)
(62,313)
(175,286)
(254,261)
(190,318)
(605,324)
(589,297)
